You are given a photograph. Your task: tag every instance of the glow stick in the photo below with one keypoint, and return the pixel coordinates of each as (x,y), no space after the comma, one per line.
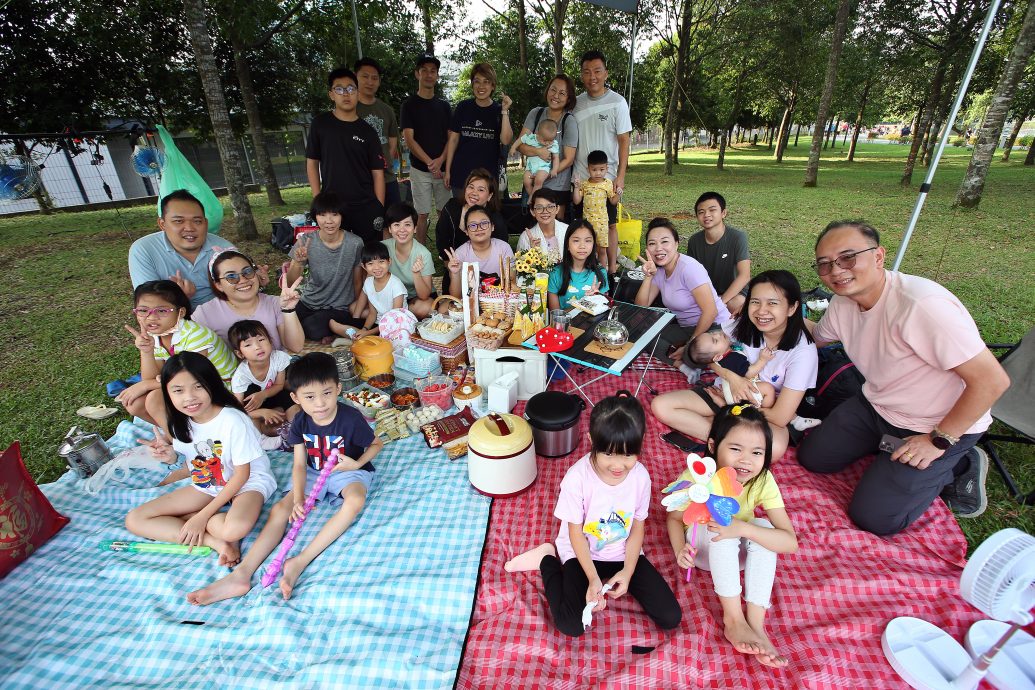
(155,547)
(275,567)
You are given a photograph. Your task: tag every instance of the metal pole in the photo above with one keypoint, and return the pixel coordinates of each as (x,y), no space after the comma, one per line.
(355,25)
(925,188)
(632,59)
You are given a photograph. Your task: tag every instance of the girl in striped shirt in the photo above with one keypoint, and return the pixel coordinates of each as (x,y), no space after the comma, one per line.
(162,313)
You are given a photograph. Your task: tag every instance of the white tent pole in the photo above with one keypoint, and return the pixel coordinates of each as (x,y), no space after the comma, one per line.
(926,186)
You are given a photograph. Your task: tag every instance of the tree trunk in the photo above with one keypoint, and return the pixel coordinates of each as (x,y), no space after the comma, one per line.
(840,28)
(785,124)
(267,174)
(560,10)
(924,123)
(934,134)
(858,120)
(672,110)
(1014,133)
(991,129)
(204,56)
(522,26)
(723,136)
(797,133)
(429,31)
(1030,158)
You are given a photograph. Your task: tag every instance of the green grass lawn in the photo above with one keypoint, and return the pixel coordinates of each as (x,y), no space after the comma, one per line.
(66,292)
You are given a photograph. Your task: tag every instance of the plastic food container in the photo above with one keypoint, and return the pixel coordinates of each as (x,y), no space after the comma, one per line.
(436,390)
(367,400)
(382,381)
(373,356)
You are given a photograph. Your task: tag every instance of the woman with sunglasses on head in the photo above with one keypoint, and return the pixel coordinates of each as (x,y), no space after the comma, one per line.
(162,312)
(481,247)
(235,283)
(479,190)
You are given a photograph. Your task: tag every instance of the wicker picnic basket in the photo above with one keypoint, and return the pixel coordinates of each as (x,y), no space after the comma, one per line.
(451,355)
(501,302)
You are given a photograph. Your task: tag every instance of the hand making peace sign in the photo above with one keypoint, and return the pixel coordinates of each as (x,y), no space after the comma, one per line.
(302,248)
(289,296)
(649,269)
(142,341)
(592,289)
(452,263)
(161,446)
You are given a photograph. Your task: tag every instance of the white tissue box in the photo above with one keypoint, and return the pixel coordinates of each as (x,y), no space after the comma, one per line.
(503,393)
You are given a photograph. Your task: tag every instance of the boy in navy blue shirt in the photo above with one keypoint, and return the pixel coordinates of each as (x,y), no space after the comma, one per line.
(324,424)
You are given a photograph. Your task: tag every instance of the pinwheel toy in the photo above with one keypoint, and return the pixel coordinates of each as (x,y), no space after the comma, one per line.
(703,493)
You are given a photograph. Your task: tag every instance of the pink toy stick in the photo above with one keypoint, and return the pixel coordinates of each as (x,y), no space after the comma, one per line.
(274,568)
(693,548)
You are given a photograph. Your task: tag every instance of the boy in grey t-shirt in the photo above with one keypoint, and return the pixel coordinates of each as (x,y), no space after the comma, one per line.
(722,250)
(335,272)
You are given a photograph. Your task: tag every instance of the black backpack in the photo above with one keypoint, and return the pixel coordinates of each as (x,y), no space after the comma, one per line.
(838,379)
(283,237)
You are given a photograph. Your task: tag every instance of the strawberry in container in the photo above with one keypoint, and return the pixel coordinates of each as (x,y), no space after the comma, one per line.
(436,390)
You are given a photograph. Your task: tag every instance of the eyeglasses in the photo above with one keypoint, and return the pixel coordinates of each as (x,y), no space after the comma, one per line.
(144,312)
(844,261)
(342,90)
(479,225)
(234,278)
(544,209)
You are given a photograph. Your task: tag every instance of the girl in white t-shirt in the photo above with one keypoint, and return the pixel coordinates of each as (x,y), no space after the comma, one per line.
(225,463)
(740,438)
(602,508)
(258,382)
(382,291)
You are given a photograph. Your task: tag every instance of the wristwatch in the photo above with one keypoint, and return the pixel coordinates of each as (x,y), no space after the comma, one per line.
(941,440)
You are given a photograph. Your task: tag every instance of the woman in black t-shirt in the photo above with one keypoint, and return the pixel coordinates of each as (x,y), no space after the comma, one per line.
(479,190)
(480,126)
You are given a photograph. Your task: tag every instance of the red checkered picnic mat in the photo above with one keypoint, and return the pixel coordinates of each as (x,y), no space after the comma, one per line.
(831,600)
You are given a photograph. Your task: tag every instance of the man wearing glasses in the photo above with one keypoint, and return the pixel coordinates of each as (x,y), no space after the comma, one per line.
(930,383)
(343,155)
(180,251)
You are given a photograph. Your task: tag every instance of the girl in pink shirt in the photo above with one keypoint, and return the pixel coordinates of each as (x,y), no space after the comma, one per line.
(602,508)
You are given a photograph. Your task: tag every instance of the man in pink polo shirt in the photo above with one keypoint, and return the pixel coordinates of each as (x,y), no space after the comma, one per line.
(930,381)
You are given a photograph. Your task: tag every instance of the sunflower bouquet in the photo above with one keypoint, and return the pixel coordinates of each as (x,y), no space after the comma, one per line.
(532,261)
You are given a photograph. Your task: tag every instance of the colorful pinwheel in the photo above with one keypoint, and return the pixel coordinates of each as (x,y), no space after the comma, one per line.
(703,493)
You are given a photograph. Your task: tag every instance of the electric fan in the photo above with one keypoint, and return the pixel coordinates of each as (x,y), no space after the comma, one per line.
(999,580)
(19,177)
(148,161)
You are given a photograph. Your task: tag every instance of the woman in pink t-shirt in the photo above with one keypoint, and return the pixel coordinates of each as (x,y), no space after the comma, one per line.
(684,287)
(481,247)
(602,508)
(775,323)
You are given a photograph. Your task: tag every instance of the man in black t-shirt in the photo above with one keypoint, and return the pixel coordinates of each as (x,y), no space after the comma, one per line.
(344,156)
(722,250)
(424,121)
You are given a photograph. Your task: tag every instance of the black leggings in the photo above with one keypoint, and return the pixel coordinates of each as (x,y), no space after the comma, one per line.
(566,587)
(282,399)
(316,322)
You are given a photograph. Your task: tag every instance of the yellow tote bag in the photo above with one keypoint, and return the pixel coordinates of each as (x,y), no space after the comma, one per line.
(629,232)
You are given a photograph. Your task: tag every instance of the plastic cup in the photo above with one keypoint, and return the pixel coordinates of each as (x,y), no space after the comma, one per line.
(559,319)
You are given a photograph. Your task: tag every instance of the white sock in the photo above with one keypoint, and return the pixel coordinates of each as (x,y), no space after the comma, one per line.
(803,423)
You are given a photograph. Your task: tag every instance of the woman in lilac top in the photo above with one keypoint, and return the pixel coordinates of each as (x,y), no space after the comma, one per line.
(235,283)
(481,247)
(683,284)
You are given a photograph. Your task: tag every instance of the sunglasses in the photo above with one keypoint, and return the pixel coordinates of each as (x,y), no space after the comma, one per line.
(845,261)
(479,225)
(234,278)
(144,312)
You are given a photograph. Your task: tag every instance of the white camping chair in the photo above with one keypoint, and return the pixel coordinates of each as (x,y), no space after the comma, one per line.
(1014,408)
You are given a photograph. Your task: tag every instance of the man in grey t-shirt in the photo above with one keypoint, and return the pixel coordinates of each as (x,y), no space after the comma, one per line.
(722,250)
(604,122)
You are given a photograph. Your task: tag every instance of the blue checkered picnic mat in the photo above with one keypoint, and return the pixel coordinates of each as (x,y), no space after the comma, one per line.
(386,606)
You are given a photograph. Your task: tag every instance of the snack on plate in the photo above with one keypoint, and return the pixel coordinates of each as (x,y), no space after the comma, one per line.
(449,428)
(391,425)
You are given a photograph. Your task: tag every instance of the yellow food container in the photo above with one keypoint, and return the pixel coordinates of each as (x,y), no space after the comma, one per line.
(373,356)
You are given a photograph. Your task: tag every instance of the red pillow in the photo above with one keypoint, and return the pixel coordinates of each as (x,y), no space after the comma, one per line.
(27,520)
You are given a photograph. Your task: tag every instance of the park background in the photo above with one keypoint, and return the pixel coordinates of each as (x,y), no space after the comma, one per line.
(794,111)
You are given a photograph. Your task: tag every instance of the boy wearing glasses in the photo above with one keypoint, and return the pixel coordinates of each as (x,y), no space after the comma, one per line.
(180,251)
(930,381)
(344,156)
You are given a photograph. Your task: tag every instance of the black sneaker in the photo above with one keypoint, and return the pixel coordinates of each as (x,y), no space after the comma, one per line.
(966,496)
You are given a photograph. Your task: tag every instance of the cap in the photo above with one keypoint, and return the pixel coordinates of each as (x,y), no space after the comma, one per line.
(424,58)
